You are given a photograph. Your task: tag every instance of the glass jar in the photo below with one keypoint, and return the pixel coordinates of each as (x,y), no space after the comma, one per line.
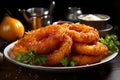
(73,13)
(39,17)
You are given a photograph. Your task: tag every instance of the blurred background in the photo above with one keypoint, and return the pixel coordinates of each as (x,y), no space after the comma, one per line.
(109,7)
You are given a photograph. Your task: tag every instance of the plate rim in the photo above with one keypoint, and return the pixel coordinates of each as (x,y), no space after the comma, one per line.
(10,46)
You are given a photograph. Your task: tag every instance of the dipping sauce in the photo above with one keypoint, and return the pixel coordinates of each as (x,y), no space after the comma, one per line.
(90,17)
(94,17)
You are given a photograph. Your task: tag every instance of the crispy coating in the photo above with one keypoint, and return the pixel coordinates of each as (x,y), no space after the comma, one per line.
(43,44)
(64,50)
(83,33)
(93,49)
(44,32)
(85,59)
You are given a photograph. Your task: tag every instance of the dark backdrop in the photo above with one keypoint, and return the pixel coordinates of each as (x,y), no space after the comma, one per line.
(109,7)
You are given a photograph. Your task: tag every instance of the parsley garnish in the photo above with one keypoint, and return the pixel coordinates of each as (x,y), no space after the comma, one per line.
(31,58)
(67,62)
(111,41)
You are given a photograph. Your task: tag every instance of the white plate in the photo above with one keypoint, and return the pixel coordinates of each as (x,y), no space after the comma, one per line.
(7,52)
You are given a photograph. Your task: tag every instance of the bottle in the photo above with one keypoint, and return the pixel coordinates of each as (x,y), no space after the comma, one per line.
(73,13)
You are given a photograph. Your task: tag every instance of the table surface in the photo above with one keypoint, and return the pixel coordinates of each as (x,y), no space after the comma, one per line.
(107,71)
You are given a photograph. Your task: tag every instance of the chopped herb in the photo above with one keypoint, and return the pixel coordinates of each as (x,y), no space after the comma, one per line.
(111,41)
(19,56)
(40,60)
(65,61)
(31,58)
(73,63)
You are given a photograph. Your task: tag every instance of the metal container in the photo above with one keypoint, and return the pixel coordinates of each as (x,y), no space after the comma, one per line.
(36,17)
(97,21)
(73,13)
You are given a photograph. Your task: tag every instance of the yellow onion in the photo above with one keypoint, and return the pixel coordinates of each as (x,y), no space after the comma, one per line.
(11,29)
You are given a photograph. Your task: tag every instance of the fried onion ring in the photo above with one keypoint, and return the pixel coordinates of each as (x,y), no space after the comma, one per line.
(43,32)
(84,59)
(94,49)
(82,33)
(64,50)
(34,40)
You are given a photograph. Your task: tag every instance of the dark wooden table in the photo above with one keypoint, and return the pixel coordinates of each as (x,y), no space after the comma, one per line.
(107,71)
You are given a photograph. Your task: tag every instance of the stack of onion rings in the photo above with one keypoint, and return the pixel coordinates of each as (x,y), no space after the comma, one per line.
(56,41)
(88,54)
